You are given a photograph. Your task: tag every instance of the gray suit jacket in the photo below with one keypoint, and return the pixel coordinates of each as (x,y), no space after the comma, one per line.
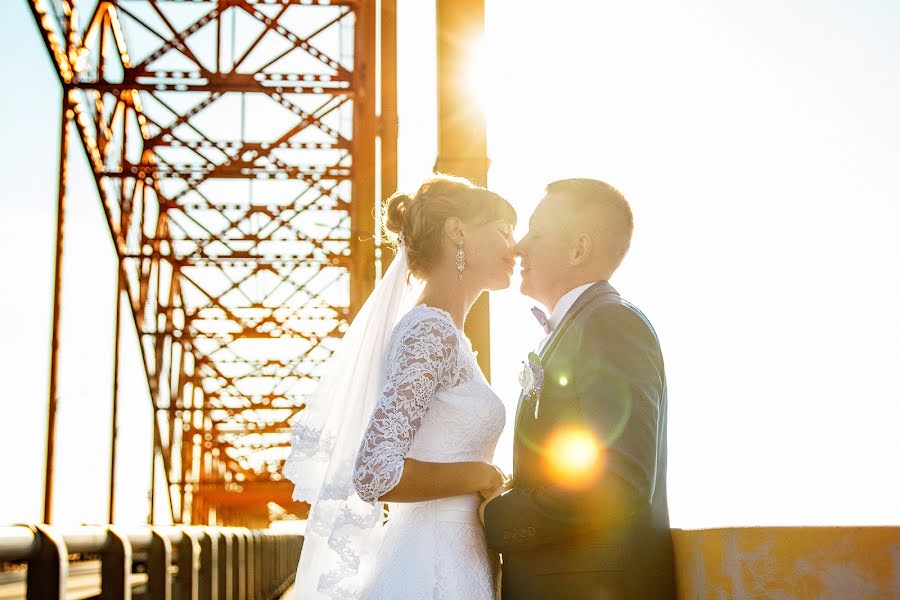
(608,536)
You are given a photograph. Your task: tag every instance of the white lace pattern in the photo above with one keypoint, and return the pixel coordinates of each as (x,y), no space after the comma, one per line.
(436,406)
(423,359)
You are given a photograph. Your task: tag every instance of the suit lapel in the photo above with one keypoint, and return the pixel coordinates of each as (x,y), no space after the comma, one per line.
(599,289)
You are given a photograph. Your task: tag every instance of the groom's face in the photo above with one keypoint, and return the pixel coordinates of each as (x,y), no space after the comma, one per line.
(544,252)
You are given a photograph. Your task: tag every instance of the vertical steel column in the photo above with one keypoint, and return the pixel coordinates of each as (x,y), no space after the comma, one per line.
(462,137)
(152,494)
(389,122)
(362,203)
(65,116)
(115,399)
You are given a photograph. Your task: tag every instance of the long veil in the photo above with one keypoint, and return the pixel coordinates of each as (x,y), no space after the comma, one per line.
(343,532)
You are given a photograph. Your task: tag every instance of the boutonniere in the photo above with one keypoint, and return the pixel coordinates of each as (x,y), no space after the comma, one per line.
(532,379)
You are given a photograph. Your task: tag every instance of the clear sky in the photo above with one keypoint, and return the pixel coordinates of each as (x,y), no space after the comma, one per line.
(759,145)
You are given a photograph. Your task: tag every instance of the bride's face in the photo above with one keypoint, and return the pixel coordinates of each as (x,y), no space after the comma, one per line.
(489,254)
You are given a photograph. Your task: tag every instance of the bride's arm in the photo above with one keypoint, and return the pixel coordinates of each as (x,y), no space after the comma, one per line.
(422,481)
(415,371)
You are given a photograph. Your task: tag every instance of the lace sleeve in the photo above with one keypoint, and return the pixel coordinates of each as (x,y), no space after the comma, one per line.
(417,366)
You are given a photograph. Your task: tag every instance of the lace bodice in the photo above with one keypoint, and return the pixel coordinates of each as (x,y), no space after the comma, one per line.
(435,404)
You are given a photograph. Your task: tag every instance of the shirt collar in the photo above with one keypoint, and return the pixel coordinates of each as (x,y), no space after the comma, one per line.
(565,303)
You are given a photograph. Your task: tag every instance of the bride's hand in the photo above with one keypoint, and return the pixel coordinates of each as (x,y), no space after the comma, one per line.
(493,480)
(501,489)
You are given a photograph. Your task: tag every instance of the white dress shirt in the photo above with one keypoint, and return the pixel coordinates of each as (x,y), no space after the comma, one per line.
(565,303)
(562,307)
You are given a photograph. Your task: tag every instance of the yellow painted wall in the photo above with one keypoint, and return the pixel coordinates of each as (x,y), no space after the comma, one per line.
(788,563)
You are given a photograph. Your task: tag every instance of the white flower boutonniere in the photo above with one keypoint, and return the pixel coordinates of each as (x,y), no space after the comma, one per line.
(532,379)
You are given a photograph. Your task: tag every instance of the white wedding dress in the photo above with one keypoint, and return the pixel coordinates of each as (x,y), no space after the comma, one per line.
(436,406)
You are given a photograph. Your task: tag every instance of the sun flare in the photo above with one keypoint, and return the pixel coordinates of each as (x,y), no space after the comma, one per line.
(574,457)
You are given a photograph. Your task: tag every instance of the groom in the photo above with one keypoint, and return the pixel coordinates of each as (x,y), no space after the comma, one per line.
(587,515)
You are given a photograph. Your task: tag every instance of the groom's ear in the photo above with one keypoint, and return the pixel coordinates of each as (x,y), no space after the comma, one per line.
(580,250)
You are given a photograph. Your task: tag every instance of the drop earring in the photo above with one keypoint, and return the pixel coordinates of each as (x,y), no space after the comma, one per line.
(460,259)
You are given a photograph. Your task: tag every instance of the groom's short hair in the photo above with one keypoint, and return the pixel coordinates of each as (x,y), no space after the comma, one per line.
(618,221)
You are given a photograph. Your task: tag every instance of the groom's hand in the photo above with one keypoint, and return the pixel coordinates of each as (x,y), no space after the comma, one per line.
(507,485)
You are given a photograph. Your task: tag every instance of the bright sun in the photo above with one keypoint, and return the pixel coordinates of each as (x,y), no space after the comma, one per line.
(480,78)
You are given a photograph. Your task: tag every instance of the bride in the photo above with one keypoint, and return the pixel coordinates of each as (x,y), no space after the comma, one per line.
(405,417)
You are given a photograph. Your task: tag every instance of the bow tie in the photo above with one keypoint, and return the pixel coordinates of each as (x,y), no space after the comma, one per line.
(542,318)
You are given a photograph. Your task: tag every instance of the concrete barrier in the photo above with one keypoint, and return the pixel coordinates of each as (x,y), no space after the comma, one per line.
(788,563)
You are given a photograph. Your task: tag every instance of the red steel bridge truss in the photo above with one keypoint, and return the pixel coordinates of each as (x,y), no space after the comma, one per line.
(233,146)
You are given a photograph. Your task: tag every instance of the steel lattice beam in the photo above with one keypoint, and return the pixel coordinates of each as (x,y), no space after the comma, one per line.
(233,147)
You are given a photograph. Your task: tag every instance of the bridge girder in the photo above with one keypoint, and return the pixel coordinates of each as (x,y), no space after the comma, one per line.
(233,147)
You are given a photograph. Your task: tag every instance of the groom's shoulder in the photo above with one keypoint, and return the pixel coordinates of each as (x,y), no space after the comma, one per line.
(613,311)
(607,306)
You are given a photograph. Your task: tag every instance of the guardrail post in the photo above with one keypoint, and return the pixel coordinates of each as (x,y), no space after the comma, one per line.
(186,584)
(270,562)
(294,546)
(115,567)
(260,564)
(278,557)
(48,571)
(277,566)
(286,554)
(226,549)
(259,541)
(238,572)
(209,564)
(249,565)
(159,560)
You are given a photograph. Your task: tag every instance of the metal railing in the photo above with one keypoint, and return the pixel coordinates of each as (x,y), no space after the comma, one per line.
(177,563)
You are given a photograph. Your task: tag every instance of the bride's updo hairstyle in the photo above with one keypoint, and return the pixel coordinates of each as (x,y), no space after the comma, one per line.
(418,220)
